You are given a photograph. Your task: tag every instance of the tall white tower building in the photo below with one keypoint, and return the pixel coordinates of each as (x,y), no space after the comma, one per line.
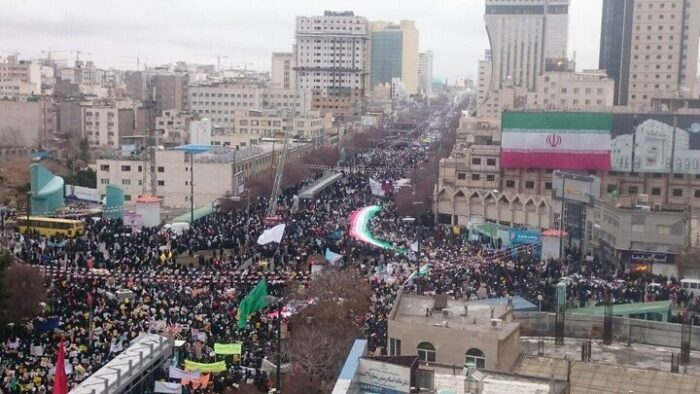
(524,34)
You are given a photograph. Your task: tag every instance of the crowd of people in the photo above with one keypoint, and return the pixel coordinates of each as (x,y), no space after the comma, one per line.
(189,285)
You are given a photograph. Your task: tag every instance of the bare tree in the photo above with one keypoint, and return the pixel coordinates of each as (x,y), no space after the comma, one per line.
(322,334)
(25,286)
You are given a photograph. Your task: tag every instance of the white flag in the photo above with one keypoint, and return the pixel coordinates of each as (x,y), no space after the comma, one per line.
(414,246)
(272,235)
(167,388)
(376,187)
(177,373)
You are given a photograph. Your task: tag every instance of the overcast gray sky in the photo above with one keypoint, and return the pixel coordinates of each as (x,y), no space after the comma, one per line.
(248,31)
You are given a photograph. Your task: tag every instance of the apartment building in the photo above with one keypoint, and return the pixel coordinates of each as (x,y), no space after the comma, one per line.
(172,126)
(332,60)
(104,125)
(282,73)
(275,124)
(27,123)
(394,54)
(219,101)
(213,172)
(650,48)
(588,90)
(425,73)
(20,75)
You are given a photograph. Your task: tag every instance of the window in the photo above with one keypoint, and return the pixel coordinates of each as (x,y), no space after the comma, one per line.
(161,169)
(637,228)
(426,352)
(161,183)
(548,186)
(476,177)
(104,181)
(510,184)
(126,168)
(677,192)
(490,162)
(477,357)
(104,167)
(611,188)
(490,178)
(697,193)
(476,161)
(127,197)
(461,176)
(126,182)
(529,184)
(655,191)
(663,230)
(394,347)
(632,190)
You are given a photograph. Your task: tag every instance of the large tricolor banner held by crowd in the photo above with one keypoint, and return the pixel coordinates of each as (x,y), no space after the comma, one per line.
(359,226)
(566,141)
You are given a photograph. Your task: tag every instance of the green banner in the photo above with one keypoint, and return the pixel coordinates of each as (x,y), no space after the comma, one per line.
(205,368)
(227,348)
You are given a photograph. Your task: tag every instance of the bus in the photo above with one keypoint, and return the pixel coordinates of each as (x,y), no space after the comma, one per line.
(690,284)
(51,226)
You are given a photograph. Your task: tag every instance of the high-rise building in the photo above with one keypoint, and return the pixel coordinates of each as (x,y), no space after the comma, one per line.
(425,73)
(523,35)
(394,54)
(282,70)
(332,60)
(650,48)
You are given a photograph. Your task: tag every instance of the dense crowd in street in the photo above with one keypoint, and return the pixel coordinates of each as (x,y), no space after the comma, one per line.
(189,286)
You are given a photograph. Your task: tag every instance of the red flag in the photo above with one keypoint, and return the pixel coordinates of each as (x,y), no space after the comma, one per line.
(60,381)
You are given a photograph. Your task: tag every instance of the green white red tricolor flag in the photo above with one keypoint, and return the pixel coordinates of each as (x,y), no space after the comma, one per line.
(359,226)
(556,140)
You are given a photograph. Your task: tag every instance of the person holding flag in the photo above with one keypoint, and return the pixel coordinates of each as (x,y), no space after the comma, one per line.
(60,380)
(253,302)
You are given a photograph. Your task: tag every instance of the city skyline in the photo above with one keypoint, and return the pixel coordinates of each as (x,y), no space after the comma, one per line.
(30,28)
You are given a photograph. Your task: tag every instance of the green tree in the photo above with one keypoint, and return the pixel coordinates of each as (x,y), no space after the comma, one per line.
(84,153)
(85,178)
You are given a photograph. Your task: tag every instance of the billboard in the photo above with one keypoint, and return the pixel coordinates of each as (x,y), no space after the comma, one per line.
(79,193)
(625,142)
(580,188)
(381,377)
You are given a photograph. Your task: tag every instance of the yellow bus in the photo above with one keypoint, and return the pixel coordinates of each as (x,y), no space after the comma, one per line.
(50,226)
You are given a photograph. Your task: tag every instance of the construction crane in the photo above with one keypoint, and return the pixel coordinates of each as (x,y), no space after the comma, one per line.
(277,184)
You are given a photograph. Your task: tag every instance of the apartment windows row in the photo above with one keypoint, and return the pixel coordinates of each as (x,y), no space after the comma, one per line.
(657,191)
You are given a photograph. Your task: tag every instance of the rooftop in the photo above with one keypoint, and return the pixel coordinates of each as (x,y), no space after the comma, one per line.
(613,368)
(449,381)
(412,309)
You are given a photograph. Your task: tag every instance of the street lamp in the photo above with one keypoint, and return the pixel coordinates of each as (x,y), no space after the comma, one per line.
(278,300)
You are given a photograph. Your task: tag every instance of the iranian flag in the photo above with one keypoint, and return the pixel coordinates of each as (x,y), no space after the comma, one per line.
(556,140)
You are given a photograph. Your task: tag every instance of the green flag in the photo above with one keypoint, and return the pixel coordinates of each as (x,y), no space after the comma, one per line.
(253,302)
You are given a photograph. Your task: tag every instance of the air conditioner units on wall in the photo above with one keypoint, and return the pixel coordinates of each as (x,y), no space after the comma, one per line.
(496,323)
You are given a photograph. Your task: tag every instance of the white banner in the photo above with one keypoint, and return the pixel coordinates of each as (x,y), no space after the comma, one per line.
(177,373)
(167,388)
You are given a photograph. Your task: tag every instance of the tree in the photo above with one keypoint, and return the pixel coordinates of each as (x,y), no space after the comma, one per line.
(14,180)
(321,335)
(84,153)
(326,156)
(25,290)
(85,178)
(5,261)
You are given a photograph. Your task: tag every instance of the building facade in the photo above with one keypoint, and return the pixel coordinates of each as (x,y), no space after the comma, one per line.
(282,73)
(425,73)
(455,333)
(523,35)
(332,60)
(213,173)
(23,75)
(27,123)
(104,125)
(650,47)
(394,54)
(172,127)
(219,101)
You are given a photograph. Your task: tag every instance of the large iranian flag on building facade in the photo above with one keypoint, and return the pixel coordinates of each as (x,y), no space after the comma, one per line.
(556,140)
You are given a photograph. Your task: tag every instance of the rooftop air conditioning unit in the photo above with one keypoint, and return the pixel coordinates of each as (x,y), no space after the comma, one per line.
(496,323)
